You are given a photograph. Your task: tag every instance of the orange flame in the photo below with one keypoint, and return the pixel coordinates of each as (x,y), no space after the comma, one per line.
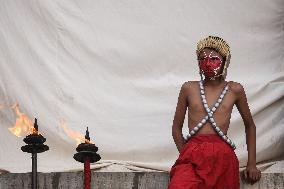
(88,141)
(78,137)
(23,125)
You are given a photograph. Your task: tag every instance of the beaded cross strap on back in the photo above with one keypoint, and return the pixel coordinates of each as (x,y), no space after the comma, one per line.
(210,117)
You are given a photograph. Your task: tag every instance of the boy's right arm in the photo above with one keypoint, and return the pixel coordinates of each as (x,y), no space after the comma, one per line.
(179,117)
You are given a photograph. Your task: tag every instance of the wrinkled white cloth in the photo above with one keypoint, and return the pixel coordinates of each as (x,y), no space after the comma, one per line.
(117,67)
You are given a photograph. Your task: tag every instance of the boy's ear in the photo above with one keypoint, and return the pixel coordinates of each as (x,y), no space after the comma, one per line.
(224,59)
(197,54)
(223,66)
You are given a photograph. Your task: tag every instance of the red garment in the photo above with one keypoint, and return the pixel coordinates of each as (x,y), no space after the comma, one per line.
(206,161)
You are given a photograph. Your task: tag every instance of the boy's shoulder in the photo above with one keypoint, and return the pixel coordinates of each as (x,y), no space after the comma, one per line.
(236,87)
(187,85)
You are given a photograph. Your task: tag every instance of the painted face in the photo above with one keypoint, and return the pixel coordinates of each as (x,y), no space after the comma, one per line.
(210,63)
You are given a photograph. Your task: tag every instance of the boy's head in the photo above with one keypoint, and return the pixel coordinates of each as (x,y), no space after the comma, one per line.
(213,54)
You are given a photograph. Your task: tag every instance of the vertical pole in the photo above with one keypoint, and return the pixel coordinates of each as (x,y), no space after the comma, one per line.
(34,170)
(87,173)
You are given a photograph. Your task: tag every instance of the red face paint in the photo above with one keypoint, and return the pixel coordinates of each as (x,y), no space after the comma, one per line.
(210,66)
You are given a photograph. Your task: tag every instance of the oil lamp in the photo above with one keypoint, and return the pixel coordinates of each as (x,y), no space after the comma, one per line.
(87,153)
(34,144)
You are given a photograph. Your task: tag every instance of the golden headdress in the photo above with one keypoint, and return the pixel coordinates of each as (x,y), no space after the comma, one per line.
(218,44)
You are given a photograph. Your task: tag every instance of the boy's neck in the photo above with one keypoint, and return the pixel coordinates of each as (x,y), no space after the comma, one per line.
(218,81)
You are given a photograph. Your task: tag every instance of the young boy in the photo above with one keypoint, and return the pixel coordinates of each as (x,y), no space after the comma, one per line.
(207,159)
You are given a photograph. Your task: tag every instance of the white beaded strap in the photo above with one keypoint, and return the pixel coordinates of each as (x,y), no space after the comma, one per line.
(209,116)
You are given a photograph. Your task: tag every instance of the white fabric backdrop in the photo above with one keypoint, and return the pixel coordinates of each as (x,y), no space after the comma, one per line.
(117,67)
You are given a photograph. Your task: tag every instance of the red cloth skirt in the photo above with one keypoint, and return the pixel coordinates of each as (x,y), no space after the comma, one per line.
(206,161)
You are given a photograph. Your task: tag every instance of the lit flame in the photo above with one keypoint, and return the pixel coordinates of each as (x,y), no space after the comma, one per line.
(87,141)
(23,125)
(34,131)
(78,137)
